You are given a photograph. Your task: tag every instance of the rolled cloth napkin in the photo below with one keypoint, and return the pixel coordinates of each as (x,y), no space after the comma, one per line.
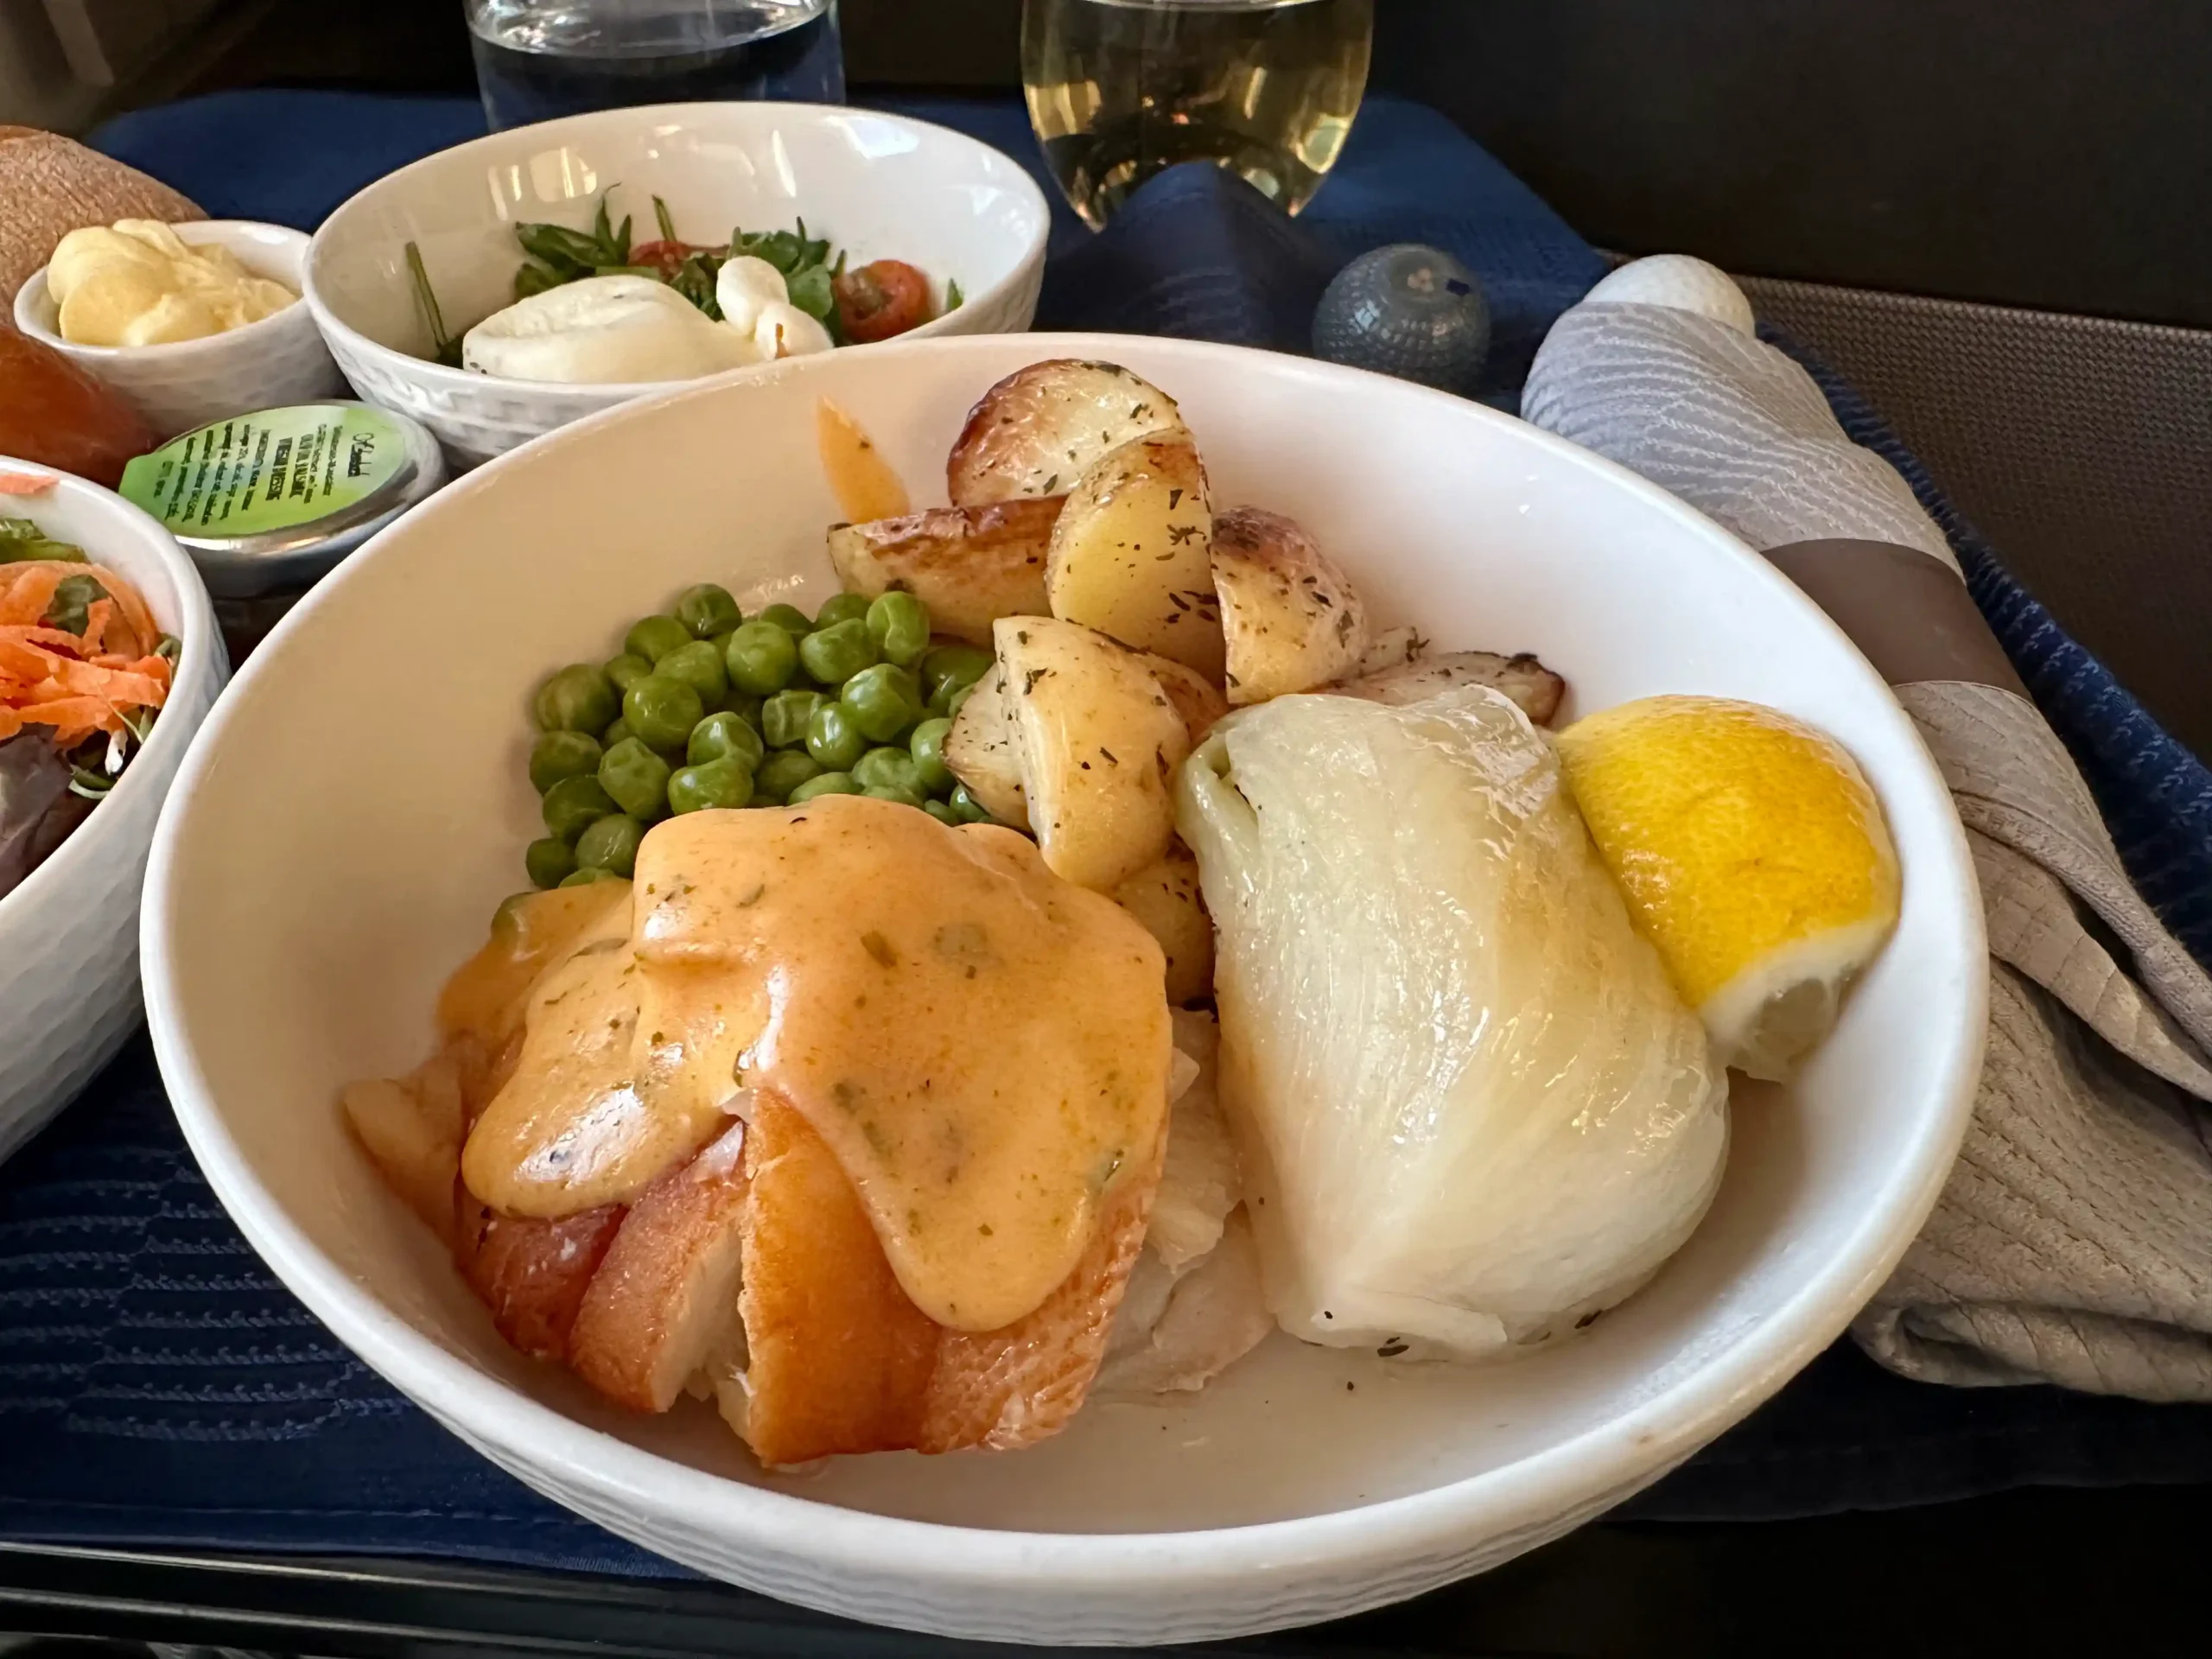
(2073,1243)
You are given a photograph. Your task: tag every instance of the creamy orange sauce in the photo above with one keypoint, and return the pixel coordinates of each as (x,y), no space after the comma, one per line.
(984,1046)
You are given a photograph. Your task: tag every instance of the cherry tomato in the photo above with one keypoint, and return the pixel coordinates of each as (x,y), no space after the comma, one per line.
(663,257)
(881,300)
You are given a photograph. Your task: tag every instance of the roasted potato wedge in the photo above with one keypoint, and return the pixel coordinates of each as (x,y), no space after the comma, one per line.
(663,1302)
(982,754)
(533,1273)
(1290,618)
(1197,698)
(969,565)
(1393,649)
(1041,428)
(1537,691)
(1131,554)
(411,1129)
(1165,897)
(1098,742)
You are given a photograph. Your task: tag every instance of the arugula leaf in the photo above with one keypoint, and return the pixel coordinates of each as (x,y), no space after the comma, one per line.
(20,539)
(954,299)
(812,293)
(444,348)
(667,221)
(530,278)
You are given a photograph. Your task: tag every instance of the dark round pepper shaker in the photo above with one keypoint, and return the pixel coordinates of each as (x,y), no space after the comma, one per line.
(1412,311)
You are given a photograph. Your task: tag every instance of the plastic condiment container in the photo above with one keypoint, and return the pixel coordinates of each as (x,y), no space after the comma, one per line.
(267,504)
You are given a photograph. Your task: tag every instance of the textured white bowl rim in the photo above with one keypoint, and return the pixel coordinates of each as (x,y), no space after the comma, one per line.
(192,641)
(591,396)
(1603,1462)
(175,351)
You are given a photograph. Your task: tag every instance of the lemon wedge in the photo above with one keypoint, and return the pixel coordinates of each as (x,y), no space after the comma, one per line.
(1754,856)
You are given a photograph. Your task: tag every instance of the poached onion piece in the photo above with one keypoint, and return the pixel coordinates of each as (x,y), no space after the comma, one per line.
(1471,1109)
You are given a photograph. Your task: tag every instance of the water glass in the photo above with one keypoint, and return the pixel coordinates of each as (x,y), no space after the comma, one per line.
(539,59)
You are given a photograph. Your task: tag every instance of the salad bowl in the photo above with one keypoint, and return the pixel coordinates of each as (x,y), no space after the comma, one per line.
(1304,1484)
(879,187)
(69,930)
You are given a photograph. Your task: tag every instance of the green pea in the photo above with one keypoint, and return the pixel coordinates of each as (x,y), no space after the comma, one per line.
(556,755)
(547,861)
(506,920)
(942,812)
(571,805)
(708,610)
(785,717)
(782,772)
(761,797)
(626,671)
(792,619)
(745,706)
(662,711)
(636,778)
(576,699)
(889,768)
(585,878)
(833,739)
(900,625)
(890,792)
(971,809)
(653,636)
(828,783)
(833,655)
(927,747)
(949,698)
(611,844)
(883,701)
(953,665)
(617,729)
(846,607)
(724,734)
(762,658)
(699,665)
(726,782)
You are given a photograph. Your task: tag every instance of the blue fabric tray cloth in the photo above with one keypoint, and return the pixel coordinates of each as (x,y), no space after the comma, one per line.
(158,1388)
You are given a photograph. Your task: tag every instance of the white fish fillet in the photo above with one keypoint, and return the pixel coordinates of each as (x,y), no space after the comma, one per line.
(1469,1108)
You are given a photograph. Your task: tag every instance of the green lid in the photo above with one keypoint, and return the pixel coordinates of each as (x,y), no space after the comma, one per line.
(269,502)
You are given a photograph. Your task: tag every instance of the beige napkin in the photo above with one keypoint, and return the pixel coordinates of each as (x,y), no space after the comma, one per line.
(2073,1244)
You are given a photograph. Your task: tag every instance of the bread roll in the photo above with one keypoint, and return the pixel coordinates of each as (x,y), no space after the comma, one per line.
(53,413)
(50,186)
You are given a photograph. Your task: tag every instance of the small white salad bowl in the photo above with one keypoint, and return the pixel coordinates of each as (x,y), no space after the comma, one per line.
(1279,1497)
(272,363)
(69,930)
(879,187)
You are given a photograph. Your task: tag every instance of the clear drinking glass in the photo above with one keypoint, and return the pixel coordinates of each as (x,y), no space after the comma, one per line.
(1120,90)
(539,59)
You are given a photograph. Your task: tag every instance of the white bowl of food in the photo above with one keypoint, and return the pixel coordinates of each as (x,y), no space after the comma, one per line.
(271,362)
(73,835)
(874,187)
(782,1276)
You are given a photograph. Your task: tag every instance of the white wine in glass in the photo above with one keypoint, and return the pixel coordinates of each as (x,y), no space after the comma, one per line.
(1120,90)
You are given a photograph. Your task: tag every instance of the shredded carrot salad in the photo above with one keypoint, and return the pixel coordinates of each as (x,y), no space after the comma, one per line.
(97,679)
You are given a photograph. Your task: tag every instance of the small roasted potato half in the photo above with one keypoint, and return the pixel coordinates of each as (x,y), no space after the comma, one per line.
(1165,897)
(1197,698)
(1041,428)
(1535,689)
(1131,554)
(981,751)
(969,565)
(1099,742)
(1290,618)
